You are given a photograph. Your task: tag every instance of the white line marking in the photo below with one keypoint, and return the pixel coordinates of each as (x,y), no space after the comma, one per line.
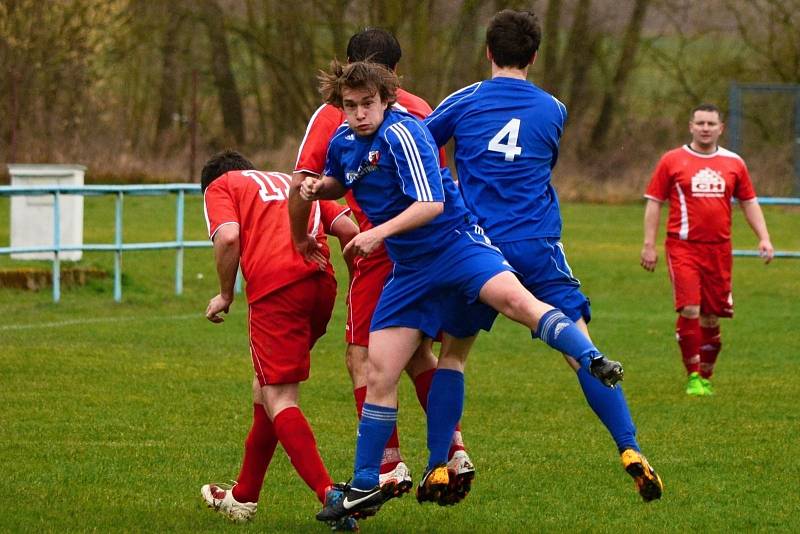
(198,315)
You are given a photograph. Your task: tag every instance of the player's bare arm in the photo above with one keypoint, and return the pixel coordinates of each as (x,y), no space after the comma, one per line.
(414,216)
(755,218)
(649,255)
(299,210)
(226,255)
(344,229)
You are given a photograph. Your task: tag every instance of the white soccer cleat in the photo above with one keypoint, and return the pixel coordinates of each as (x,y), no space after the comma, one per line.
(220,498)
(397,481)
(462,472)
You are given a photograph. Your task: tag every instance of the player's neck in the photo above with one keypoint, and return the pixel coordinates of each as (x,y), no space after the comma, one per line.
(703,149)
(509,72)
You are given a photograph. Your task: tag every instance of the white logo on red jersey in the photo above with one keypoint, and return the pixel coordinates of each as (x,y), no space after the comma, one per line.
(708,183)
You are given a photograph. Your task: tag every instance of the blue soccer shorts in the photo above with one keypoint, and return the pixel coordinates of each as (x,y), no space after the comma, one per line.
(440,291)
(545,272)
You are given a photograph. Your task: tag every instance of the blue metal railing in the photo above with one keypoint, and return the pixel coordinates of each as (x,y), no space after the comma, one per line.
(117,246)
(773,201)
(179,244)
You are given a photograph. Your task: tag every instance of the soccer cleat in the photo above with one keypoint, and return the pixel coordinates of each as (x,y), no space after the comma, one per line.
(220,498)
(461,473)
(434,485)
(707,388)
(694,386)
(350,501)
(606,371)
(347,523)
(647,481)
(397,481)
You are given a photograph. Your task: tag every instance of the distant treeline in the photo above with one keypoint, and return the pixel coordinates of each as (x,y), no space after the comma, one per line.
(124,86)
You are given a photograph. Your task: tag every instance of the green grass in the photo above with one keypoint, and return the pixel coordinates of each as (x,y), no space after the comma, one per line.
(113,415)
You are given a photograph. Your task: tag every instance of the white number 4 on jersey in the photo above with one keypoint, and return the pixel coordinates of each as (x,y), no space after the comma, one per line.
(509,149)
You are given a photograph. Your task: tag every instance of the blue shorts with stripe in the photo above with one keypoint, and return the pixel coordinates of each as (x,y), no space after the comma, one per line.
(440,291)
(545,272)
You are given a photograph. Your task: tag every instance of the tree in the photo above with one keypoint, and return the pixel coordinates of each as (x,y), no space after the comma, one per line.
(614,94)
(230,102)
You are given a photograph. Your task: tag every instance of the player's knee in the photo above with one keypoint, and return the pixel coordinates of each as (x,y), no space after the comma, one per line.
(690,312)
(709,321)
(356,360)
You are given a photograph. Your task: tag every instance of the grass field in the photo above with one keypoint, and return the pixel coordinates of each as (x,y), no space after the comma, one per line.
(113,415)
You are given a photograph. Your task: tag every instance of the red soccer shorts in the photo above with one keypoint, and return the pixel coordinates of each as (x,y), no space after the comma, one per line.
(285,324)
(369,275)
(701,274)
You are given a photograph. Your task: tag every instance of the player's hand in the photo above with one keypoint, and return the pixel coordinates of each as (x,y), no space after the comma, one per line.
(216,306)
(765,250)
(649,258)
(363,243)
(311,250)
(310,188)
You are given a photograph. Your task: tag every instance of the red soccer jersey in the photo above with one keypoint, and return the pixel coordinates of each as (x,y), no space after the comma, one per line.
(325,121)
(699,188)
(257,202)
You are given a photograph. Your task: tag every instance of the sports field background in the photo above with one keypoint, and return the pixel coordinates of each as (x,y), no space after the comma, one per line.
(113,415)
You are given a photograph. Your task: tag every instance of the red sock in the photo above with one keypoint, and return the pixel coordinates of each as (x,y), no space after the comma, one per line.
(298,441)
(422,384)
(688,333)
(258,449)
(709,350)
(391,454)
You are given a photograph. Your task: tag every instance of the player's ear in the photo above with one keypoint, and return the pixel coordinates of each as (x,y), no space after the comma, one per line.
(533,58)
(489,54)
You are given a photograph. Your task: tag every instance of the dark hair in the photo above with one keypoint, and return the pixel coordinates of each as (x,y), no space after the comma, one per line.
(374,44)
(513,37)
(373,77)
(706,107)
(220,163)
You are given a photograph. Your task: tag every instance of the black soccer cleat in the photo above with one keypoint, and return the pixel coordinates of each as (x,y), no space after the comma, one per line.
(606,371)
(352,502)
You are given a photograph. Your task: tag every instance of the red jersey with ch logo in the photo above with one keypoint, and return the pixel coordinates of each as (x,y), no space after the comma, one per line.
(699,188)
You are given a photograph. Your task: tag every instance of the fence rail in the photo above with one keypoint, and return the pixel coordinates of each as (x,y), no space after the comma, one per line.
(179,244)
(117,247)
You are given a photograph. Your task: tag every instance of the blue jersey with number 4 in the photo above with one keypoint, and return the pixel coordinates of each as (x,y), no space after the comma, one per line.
(390,170)
(506,133)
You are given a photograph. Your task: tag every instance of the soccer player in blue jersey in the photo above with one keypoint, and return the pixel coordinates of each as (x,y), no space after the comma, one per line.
(447,275)
(507,133)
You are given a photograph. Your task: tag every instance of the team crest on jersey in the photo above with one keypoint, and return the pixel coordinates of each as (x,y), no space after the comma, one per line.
(365,167)
(708,183)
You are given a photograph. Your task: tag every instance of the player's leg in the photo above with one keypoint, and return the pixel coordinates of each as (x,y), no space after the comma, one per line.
(421,369)
(239,503)
(546,273)
(369,275)
(389,352)
(507,295)
(717,301)
(445,408)
(685,277)
(710,346)
(608,404)
(296,436)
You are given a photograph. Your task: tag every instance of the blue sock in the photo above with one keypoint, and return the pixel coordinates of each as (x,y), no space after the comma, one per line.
(558,331)
(610,406)
(445,406)
(377,423)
